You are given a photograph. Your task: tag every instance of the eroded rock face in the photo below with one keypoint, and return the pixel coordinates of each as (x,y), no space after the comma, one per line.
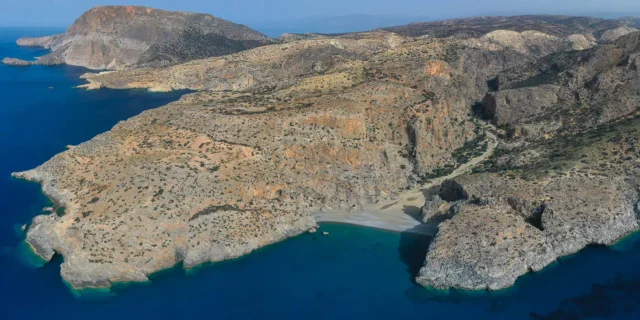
(484,247)
(124,37)
(613,34)
(49,42)
(568,92)
(438,210)
(520,226)
(580,41)
(590,211)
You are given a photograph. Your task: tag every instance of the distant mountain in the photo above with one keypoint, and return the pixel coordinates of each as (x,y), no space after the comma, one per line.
(124,37)
(556,25)
(334,24)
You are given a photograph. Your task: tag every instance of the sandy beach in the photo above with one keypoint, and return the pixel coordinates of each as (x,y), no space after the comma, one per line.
(403,213)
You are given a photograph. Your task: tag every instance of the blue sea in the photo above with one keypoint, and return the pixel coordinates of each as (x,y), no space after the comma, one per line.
(352,273)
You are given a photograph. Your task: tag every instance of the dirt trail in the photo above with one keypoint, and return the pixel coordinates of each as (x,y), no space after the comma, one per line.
(402,214)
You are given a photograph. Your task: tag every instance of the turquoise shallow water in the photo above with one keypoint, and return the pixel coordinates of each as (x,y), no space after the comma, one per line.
(353,272)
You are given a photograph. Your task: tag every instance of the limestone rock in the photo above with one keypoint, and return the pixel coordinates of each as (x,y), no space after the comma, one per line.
(613,34)
(527,41)
(49,42)
(15,62)
(587,211)
(560,92)
(525,226)
(484,247)
(435,209)
(580,41)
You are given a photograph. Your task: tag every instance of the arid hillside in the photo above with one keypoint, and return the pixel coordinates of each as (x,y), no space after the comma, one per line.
(338,122)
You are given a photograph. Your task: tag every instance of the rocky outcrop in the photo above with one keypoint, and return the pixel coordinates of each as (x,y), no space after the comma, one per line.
(49,42)
(156,235)
(484,247)
(613,34)
(569,92)
(125,37)
(489,244)
(502,226)
(16,62)
(580,41)
(444,202)
(527,41)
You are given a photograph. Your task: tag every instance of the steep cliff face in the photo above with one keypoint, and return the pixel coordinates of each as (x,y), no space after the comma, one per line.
(568,92)
(510,226)
(568,167)
(119,37)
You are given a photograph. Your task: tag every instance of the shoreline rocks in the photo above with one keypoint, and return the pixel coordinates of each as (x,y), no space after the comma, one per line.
(488,244)
(16,62)
(83,269)
(484,248)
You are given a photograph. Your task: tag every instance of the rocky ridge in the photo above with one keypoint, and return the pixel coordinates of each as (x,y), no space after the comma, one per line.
(576,185)
(568,92)
(554,25)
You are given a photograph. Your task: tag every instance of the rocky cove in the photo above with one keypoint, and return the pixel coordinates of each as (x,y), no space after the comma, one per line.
(345,122)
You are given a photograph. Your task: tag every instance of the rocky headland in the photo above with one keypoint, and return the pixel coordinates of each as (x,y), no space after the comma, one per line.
(363,121)
(48,42)
(125,37)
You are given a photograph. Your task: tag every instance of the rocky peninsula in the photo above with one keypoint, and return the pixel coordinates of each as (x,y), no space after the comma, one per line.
(15,62)
(48,42)
(282,133)
(125,37)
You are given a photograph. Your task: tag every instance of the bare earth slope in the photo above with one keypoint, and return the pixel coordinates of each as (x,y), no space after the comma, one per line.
(119,37)
(550,194)
(276,133)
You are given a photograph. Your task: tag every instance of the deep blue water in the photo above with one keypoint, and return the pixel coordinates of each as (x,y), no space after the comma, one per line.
(354,272)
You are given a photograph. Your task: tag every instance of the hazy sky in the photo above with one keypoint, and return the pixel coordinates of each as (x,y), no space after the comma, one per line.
(64,12)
